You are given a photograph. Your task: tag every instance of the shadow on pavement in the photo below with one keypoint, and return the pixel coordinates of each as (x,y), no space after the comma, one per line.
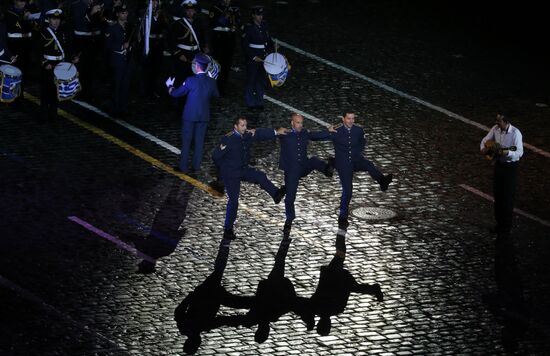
(164,235)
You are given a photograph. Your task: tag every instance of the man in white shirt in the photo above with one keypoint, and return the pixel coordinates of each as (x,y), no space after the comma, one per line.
(506,137)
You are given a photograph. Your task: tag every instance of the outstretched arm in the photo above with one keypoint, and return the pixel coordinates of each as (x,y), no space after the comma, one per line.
(220,151)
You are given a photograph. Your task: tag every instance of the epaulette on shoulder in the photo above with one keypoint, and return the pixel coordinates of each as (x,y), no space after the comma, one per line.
(229,133)
(337,126)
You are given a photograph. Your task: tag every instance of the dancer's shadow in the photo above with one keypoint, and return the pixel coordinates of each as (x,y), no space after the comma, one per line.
(507,303)
(198,311)
(275,296)
(164,235)
(335,286)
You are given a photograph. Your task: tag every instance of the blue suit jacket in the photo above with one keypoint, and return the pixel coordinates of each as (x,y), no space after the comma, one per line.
(199,89)
(348,145)
(294,148)
(232,160)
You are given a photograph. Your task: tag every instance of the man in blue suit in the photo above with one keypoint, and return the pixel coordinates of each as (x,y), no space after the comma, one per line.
(349,142)
(199,89)
(295,162)
(231,157)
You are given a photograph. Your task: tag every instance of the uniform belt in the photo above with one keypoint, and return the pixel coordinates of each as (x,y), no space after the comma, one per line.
(19,35)
(87,33)
(258,46)
(53,58)
(156,35)
(222,29)
(188,48)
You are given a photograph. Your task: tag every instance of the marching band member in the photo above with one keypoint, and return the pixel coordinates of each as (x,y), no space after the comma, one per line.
(118,46)
(257,43)
(87,19)
(19,28)
(225,19)
(184,41)
(199,89)
(54,51)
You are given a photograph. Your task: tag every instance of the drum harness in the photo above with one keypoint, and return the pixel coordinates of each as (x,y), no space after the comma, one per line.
(55,58)
(186,47)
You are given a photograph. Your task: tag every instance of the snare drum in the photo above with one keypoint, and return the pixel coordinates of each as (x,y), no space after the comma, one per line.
(10,78)
(276,67)
(66,81)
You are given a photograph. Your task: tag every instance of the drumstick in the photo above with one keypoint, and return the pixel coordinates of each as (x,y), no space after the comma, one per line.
(72,64)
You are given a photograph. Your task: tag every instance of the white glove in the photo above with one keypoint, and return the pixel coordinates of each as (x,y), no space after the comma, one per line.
(170,82)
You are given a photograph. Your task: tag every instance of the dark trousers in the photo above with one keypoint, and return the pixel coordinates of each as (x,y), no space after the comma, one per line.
(192,131)
(48,94)
(182,70)
(89,48)
(346,179)
(504,190)
(121,76)
(21,47)
(255,84)
(233,188)
(151,65)
(224,48)
(292,179)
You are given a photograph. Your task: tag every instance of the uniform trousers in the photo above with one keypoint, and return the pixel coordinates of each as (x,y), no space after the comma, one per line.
(346,179)
(292,179)
(233,188)
(504,189)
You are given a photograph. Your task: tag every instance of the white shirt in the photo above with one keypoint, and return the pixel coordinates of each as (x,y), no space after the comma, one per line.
(506,138)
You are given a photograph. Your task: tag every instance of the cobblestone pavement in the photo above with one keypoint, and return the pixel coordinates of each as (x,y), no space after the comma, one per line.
(65,290)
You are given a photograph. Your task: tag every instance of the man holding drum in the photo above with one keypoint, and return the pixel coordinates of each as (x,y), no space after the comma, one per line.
(54,51)
(257,43)
(19,32)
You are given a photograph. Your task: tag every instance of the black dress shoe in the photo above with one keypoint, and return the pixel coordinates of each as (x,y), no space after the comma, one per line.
(279,194)
(178,169)
(385,182)
(497,229)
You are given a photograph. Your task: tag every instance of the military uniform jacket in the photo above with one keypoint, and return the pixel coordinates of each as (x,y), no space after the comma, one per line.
(224,18)
(256,40)
(234,158)
(199,88)
(16,25)
(85,24)
(5,55)
(348,145)
(116,36)
(182,40)
(294,148)
(53,51)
